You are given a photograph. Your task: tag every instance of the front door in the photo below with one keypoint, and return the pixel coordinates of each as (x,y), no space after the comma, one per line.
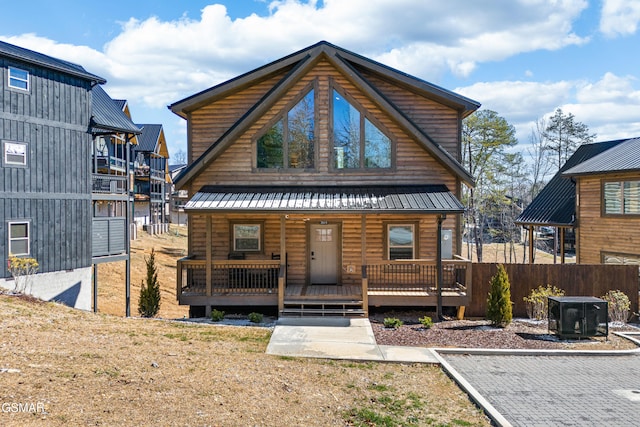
(323,256)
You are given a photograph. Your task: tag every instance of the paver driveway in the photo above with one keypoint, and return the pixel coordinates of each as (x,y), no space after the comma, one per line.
(556,390)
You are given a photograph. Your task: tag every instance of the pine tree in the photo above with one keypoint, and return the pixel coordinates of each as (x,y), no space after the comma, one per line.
(499,310)
(149,302)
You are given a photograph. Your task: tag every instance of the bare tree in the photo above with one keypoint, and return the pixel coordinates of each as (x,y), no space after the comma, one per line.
(540,165)
(563,135)
(180,157)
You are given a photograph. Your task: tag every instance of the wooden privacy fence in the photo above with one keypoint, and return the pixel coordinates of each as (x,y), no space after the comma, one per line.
(574,279)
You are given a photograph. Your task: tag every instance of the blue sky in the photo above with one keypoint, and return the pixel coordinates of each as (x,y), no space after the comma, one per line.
(521,58)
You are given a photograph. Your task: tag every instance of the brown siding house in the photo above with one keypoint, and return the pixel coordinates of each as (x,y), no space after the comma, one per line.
(608,205)
(321,184)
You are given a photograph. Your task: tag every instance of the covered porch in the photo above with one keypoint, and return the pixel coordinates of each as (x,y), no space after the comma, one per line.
(292,221)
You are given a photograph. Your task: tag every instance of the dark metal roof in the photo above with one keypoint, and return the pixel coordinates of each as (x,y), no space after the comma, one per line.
(120,103)
(176,168)
(148,140)
(390,199)
(624,157)
(555,204)
(107,117)
(46,61)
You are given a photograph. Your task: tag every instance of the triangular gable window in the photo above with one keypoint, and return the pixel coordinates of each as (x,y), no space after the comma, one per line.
(289,143)
(357,142)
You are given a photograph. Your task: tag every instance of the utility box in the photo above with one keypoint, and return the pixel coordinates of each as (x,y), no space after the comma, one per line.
(577,317)
(447,244)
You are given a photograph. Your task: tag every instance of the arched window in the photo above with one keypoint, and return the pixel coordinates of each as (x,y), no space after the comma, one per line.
(357,142)
(289,143)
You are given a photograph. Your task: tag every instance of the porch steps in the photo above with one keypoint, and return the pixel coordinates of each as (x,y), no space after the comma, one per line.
(329,307)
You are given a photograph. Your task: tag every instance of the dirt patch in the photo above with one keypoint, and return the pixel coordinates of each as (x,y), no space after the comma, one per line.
(78,368)
(168,247)
(520,334)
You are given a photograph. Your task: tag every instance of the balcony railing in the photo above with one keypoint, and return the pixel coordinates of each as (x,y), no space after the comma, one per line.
(418,275)
(112,163)
(108,184)
(227,277)
(143,172)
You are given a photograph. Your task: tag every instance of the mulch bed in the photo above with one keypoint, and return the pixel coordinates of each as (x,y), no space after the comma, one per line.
(520,334)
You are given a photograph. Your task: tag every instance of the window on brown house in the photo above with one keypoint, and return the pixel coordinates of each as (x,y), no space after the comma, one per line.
(621,197)
(289,143)
(357,142)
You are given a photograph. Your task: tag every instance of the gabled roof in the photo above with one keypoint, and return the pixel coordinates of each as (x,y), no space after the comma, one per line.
(624,157)
(297,65)
(384,198)
(107,116)
(45,61)
(152,140)
(555,205)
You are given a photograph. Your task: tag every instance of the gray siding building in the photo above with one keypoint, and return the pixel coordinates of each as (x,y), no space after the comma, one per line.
(46,172)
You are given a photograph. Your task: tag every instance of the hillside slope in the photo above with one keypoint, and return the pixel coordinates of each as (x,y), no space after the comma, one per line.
(168,247)
(78,368)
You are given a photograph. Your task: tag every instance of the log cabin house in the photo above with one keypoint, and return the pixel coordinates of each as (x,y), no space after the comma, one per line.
(322,184)
(592,202)
(608,205)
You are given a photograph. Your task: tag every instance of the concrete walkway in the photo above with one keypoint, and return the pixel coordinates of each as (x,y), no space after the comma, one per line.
(338,338)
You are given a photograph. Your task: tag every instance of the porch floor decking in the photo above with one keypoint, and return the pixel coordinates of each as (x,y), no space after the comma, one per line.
(312,292)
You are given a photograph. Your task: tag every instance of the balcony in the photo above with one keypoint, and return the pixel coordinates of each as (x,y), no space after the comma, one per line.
(110,163)
(144,172)
(108,184)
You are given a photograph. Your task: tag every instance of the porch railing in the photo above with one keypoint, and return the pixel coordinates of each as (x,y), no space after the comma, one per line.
(417,275)
(227,277)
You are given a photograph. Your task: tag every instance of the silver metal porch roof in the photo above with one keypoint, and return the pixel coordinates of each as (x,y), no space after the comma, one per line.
(390,199)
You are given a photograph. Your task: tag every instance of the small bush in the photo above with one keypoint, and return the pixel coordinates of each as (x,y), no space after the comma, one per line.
(217,315)
(619,306)
(499,310)
(22,269)
(255,317)
(426,322)
(149,301)
(537,301)
(392,322)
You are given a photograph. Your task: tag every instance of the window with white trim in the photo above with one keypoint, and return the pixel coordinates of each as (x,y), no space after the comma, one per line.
(14,153)
(18,79)
(19,237)
(247,237)
(400,241)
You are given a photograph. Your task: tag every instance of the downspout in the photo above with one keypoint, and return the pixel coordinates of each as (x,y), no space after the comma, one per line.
(441,218)
(127,229)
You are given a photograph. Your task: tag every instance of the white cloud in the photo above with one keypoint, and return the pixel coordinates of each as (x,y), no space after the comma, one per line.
(609,107)
(153,62)
(619,17)
(163,61)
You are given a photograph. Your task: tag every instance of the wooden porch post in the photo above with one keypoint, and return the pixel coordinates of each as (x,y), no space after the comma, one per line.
(283,263)
(363,249)
(531,242)
(95,287)
(209,265)
(562,257)
(439,267)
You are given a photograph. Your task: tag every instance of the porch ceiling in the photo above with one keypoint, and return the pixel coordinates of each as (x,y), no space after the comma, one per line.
(436,199)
